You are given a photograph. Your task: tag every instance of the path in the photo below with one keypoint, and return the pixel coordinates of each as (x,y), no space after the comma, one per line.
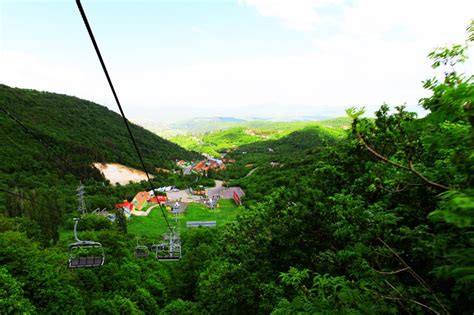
(143,213)
(252,171)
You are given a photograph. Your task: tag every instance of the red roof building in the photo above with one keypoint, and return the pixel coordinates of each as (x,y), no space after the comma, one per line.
(158,199)
(125,204)
(201,166)
(210,163)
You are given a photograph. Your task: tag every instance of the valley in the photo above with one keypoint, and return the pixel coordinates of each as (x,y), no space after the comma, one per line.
(371,213)
(228,136)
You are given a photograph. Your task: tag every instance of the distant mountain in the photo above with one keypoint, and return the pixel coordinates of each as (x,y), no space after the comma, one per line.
(273,159)
(207,124)
(69,134)
(248,132)
(204,124)
(314,117)
(229,119)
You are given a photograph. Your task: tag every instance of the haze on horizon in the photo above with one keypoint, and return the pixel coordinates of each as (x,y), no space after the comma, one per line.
(173,60)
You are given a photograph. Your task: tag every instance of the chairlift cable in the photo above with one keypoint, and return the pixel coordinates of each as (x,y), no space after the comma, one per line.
(28,130)
(34,134)
(109,80)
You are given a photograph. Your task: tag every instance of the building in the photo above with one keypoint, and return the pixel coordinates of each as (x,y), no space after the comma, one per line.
(210,163)
(127,208)
(125,205)
(230,192)
(158,199)
(141,200)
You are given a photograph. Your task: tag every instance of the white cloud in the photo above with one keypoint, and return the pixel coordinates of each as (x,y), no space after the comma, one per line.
(297,14)
(378,54)
(83,79)
(367,17)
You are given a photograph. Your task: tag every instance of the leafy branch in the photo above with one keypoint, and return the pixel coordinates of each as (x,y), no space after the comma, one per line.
(410,166)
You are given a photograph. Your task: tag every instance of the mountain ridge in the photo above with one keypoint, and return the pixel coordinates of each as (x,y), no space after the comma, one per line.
(77,133)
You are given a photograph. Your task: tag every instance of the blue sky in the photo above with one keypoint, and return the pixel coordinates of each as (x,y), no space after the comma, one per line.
(271,58)
(162,32)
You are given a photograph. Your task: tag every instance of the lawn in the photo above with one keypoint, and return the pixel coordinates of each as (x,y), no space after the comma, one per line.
(154,225)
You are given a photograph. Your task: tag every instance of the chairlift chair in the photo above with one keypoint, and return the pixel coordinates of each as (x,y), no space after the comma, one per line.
(85,254)
(169,251)
(141,251)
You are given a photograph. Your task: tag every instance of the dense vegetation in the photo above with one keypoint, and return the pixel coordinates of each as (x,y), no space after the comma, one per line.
(234,135)
(68,134)
(377,222)
(49,142)
(203,125)
(262,158)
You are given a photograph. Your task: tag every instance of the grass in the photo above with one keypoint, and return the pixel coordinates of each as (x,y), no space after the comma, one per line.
(154,225)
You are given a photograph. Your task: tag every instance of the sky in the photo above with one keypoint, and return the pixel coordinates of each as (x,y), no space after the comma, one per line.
(174,60)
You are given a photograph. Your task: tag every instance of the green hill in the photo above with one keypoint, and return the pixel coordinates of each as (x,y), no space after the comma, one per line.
(264,158)
(68,135)
(242,133)
(201,125)
(206,124)
(380,221)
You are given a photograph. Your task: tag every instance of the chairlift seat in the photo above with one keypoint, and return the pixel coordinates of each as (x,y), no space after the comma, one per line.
(141,251)
(85,262)
(141,254)
(173,255)
(164,253)
(168,258)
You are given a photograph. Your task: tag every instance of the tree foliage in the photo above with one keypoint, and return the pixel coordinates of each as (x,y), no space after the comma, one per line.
(377,222)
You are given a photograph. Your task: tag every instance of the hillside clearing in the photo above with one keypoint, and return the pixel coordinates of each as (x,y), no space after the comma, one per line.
(154,226)
(118,173)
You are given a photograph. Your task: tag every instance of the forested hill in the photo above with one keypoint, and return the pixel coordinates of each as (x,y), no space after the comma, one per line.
(250,132)
(70,133)
(377,222)
(264,157)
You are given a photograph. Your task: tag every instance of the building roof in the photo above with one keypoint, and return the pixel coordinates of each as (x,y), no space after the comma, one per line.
(228,193)
(177,195)
(140,199)
(215,191)
(210,163)
(125,204)
(158,199)
(201,166)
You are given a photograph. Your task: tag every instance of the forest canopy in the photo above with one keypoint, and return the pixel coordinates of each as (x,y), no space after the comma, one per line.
(379,221)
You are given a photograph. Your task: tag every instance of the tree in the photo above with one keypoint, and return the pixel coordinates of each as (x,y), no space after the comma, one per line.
(12,300)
